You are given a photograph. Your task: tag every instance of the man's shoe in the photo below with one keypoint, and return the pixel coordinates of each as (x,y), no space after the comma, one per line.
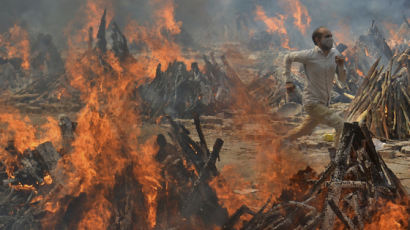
(283,144)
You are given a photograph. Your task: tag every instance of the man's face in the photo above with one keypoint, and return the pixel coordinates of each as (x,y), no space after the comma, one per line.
(326,41)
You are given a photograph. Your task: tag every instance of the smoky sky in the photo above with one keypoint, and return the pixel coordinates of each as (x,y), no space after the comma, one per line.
(204,17)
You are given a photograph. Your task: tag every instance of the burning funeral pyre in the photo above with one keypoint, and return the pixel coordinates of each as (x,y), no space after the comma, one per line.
(114,132)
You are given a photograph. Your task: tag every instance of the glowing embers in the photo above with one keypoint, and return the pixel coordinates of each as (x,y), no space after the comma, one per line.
(30,169)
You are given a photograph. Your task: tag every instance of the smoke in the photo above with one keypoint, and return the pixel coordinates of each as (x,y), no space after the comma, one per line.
(207,21)
(357,14)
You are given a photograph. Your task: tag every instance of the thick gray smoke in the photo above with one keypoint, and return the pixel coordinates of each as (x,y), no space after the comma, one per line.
(207,20)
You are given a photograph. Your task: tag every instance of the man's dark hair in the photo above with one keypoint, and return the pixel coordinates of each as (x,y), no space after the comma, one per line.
(317,33)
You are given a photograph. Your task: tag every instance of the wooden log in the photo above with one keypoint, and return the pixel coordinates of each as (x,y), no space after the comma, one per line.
(302,205)
(354,203)
(201,136)
(186,143)
(349,133)
(314,222)
(328,171)
(368,77)
(363,92)
(259,215)
(49,156)
(236,216)
(342,217)
(101,41)
(347,184)
(67,128)
(380,178)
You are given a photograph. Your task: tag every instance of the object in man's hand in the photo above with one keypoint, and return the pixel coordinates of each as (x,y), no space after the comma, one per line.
(290,87)
(340,60)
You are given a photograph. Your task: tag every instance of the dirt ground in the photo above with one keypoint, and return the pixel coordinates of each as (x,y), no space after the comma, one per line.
(241,153)
(242,143)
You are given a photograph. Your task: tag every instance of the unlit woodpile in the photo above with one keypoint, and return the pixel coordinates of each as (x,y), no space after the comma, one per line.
(180,92)
(346,195)
(383,101)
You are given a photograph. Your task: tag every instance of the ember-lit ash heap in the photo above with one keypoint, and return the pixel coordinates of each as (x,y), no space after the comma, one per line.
(166,114)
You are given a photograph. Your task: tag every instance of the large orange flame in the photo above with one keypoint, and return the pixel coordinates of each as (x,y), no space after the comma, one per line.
(271,168)
(87,17)
(24,133)
(160,47)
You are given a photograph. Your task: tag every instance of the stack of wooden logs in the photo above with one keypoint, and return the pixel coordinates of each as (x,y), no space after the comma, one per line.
(180,92)
(383,102)
(45,94)
(197,200)
(185,197)
(346,195)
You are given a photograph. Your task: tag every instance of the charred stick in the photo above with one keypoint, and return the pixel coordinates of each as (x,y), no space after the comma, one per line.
(205,173)
(348,137)
(312,224)
(236,216)
(330,168)
(187,144)
(342,217)
(347,184)
(210,164)
(355,205)
(303,205)
(373,155)
(258,214)
(201,136)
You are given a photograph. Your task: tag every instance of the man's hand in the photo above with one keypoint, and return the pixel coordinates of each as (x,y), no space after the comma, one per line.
(290,87)
(341,71)
(340,60)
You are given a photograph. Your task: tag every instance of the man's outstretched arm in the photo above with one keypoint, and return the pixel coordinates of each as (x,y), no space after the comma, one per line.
(298,56)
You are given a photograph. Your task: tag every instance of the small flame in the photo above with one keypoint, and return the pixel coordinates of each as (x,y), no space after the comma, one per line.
(396,35)
(360,73)
(17,44)
(366,51)
(23,187)
(343,33)
(301,18)
(51,207)
(47,179)
(274,25)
